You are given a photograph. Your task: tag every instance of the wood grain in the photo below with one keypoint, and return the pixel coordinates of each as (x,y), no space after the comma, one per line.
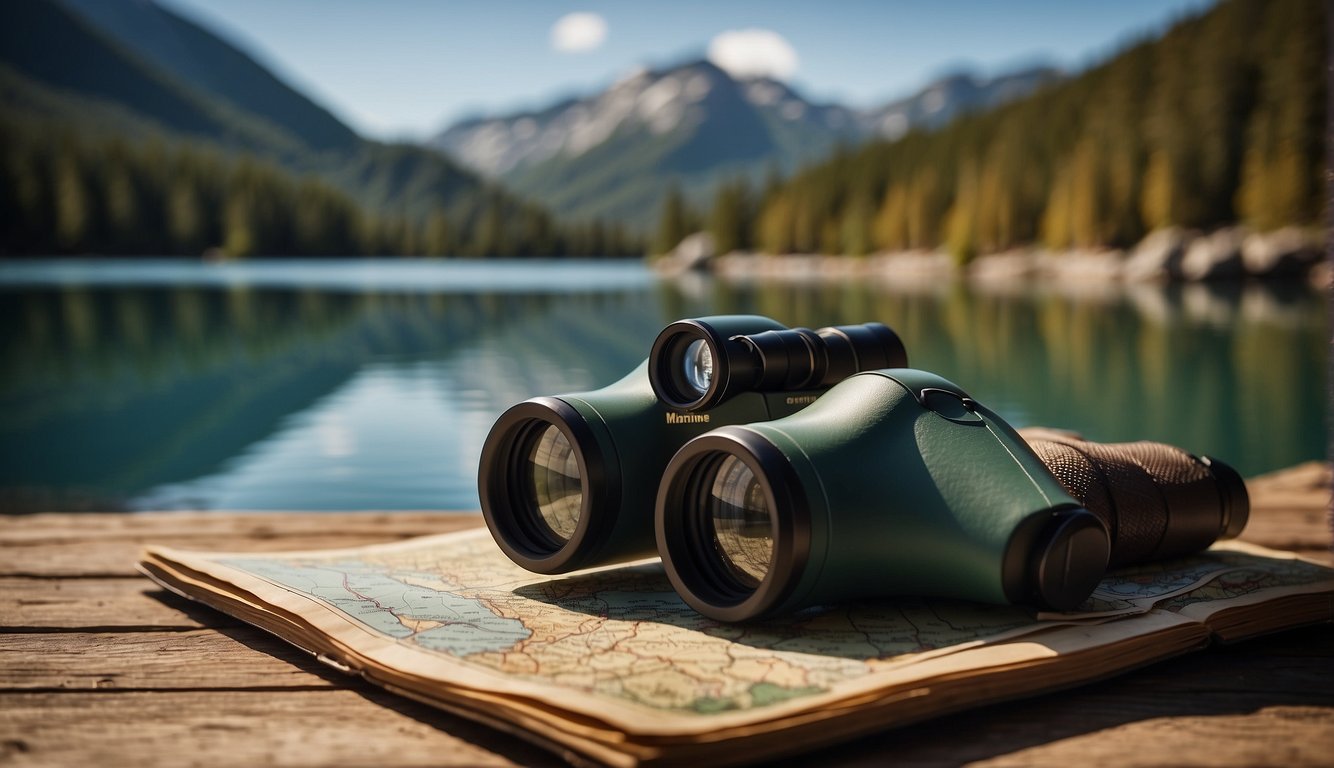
(244,728)
(100,667)
(110,604)
(64,551)
(1121,721)
(240,657)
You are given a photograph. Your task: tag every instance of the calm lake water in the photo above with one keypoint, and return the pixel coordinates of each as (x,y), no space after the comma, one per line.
(371,385)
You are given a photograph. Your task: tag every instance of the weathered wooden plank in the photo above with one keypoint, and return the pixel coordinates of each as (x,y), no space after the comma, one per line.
(1290,510)
(100,697)
(1309,476)
(1223,707)
(129,603)
(234,658)
(116,557)
(258,525)
(1287,736)
(358,726)
(1236,705)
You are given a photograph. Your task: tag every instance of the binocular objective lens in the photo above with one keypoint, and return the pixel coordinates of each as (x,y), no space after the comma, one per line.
(699,366)
(556,492)
(742,524)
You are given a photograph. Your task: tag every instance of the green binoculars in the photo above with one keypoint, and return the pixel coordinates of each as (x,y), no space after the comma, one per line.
(569,482)
(806,472)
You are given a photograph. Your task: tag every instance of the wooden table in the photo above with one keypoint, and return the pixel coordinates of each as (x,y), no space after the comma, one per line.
(99,667)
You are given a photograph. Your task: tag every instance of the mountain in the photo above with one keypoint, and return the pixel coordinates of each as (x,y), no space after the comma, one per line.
(59,64)
(132,68)
(614,153)
(943,100)
(204,61)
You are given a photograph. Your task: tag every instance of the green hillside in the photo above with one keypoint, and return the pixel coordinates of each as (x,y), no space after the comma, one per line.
(52,49)
(121,118)
(63,192)
(1220,121)
(208,64)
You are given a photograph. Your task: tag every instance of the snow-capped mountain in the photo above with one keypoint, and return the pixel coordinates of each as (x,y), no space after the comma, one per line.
(614,152)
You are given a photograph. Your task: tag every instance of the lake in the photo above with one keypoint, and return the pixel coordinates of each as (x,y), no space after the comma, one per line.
(372,384)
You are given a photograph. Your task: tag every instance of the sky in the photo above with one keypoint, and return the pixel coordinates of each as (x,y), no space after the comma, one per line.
(406,69)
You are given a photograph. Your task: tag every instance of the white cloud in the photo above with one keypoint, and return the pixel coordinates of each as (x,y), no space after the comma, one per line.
(578,32)
(753,53)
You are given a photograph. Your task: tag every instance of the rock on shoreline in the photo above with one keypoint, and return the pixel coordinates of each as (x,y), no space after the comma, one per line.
(1167,255)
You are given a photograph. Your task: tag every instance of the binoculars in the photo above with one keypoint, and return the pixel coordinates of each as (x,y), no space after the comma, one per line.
(569,482)
(774,469)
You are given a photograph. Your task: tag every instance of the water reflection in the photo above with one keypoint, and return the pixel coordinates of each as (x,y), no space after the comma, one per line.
(1234,370)
(228,396)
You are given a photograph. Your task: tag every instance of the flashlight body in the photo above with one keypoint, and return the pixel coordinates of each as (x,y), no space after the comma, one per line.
(894,482)
(622,435)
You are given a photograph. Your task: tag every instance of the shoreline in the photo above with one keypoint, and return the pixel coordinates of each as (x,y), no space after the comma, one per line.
(1165,256)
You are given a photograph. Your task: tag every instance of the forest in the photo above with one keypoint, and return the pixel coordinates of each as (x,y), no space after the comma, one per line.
(63,192)
(1218,122)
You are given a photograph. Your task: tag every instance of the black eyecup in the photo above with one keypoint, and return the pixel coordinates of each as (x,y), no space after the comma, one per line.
(1232,492)
(684,535)
(514,524)
(734,369)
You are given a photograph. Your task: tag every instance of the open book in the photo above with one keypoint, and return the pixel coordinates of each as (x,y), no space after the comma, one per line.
(609,665)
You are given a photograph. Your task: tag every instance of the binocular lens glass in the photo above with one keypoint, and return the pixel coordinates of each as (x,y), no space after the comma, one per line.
(742,525)
(556,490)
(698,366)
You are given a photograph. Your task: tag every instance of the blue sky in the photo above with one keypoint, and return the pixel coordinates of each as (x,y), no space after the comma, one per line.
(406,68)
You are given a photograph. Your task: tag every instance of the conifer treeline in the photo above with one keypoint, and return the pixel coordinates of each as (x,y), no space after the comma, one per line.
(1219,121)
(67,194)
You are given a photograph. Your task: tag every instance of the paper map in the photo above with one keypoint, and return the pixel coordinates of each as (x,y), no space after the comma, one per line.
(622,633)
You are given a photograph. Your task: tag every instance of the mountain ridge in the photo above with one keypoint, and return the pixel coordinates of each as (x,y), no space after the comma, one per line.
(185,83)
(695,124)
(206,59)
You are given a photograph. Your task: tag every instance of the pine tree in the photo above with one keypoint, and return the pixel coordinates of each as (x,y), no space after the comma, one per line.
(121,194)
(239,235)
(673,222)
(185,217)
(855,233)
(774,225)
(730,220)
(437,239)
(1283,156)
(73,205)
(963,218)
(890,227)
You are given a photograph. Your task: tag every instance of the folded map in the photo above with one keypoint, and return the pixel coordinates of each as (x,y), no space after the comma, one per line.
(610,666)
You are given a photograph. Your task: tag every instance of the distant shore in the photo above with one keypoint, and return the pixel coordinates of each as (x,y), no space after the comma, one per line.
(1168,255)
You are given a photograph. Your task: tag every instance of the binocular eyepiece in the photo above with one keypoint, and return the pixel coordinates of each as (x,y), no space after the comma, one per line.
(694,367)
(568,482)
